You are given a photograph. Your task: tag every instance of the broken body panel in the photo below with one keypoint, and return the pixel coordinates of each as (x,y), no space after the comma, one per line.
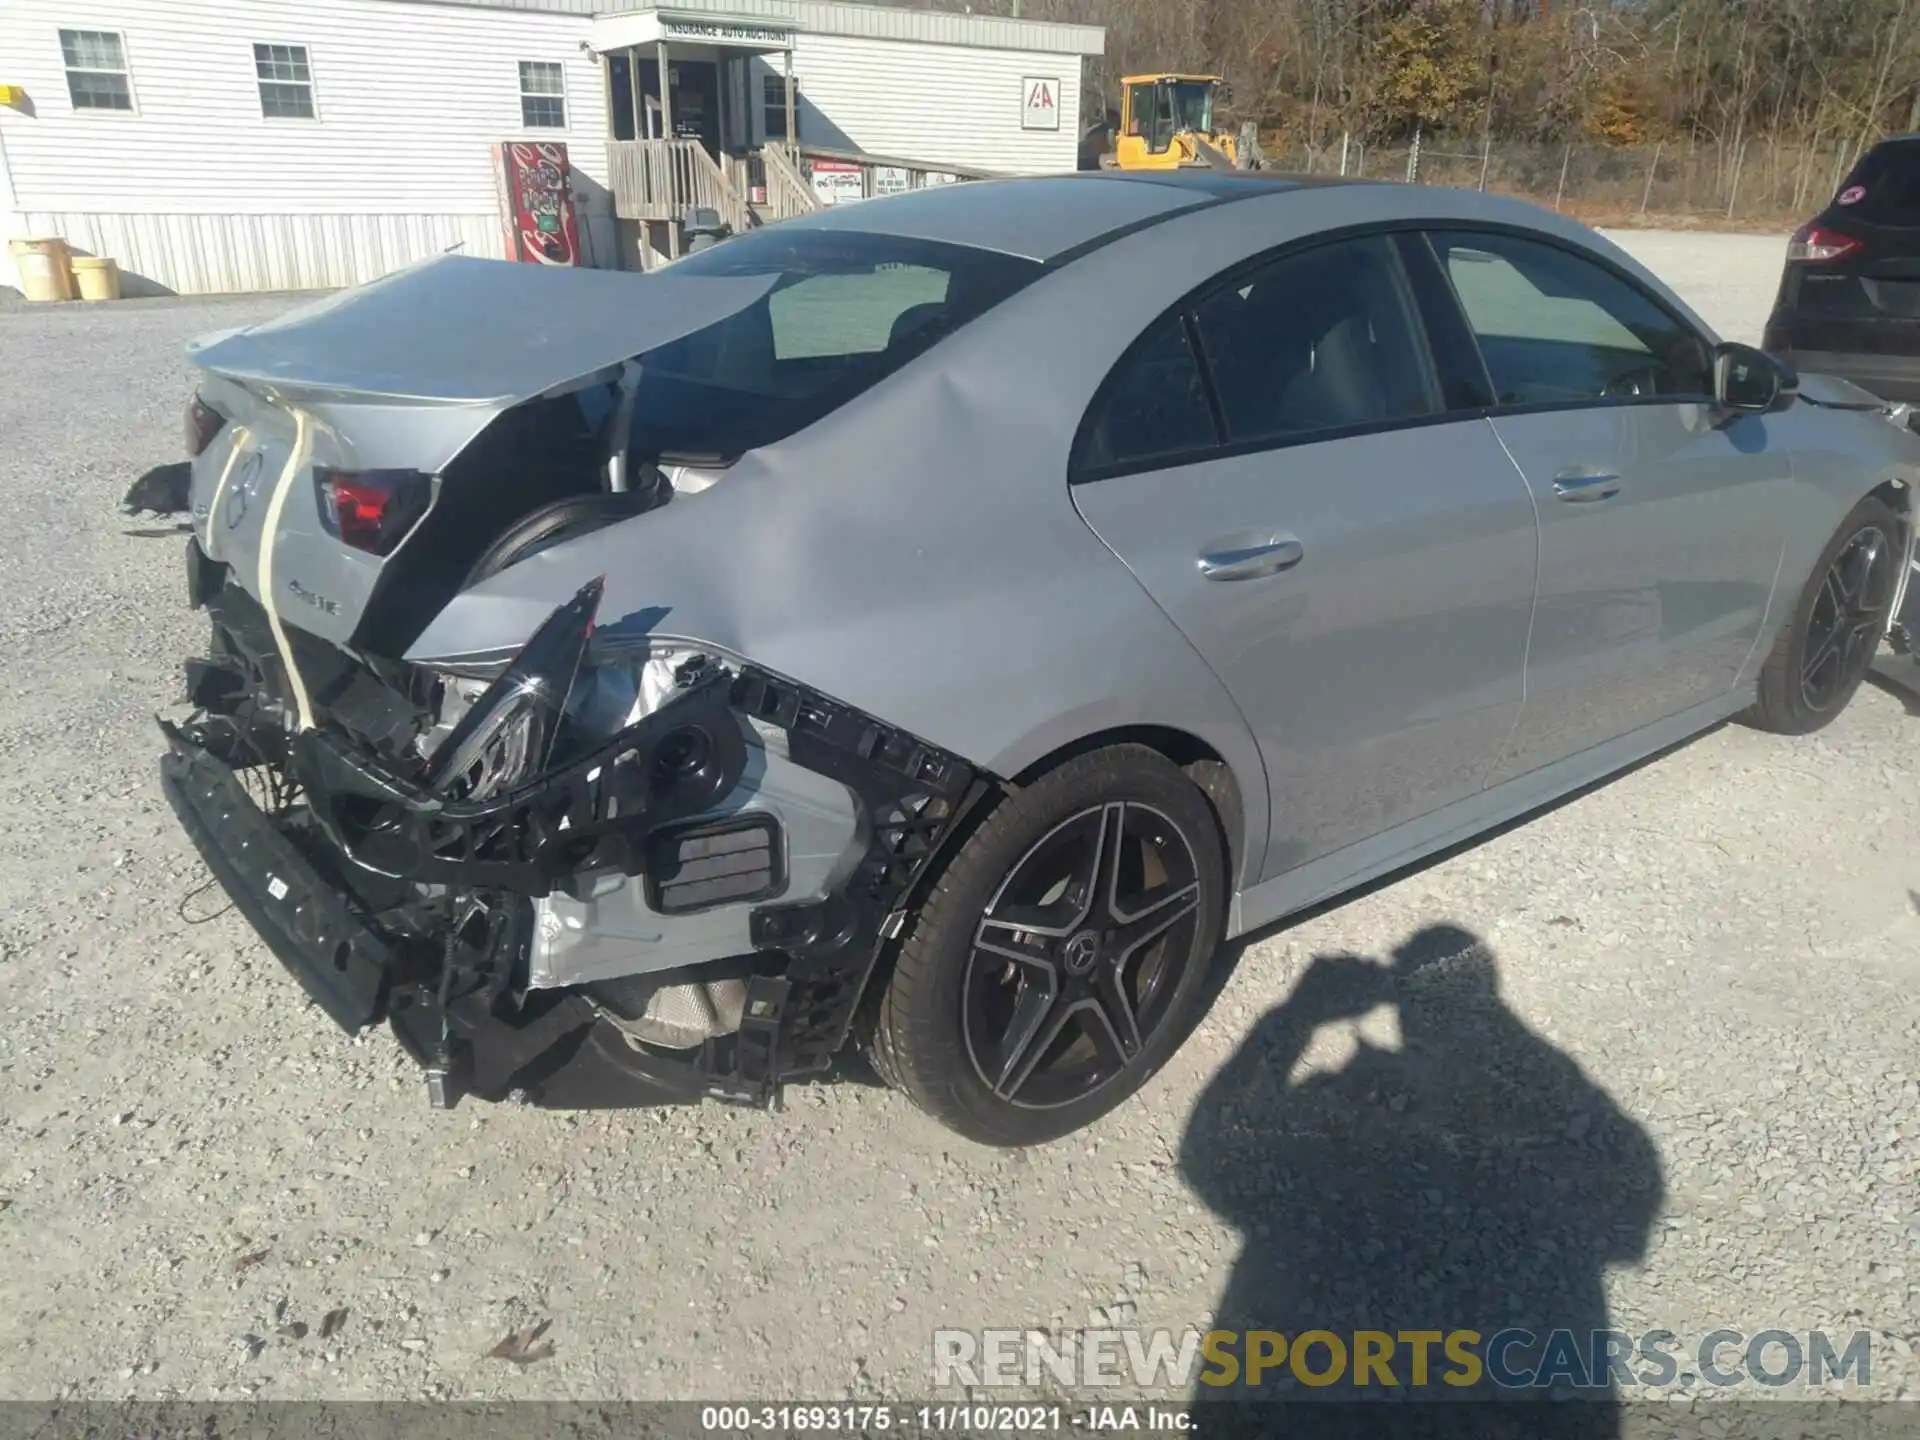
(458,917)
(659,809)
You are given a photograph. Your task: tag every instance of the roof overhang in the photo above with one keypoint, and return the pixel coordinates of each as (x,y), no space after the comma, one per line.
(754,34)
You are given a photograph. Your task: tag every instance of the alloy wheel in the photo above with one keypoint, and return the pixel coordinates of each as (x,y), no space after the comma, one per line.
(1849,615)
(1078,957)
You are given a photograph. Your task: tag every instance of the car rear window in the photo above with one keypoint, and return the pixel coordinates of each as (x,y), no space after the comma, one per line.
(1884,188)
(848,309)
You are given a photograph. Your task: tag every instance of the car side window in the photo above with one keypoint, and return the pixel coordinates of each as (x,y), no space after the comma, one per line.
(1321,339)
(1152,407)
(1555,328)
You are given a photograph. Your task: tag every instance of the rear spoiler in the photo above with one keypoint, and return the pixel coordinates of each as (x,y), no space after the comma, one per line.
(459,340)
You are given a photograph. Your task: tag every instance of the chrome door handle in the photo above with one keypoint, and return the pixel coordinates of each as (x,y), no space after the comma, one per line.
(1238,557)
(1576,488)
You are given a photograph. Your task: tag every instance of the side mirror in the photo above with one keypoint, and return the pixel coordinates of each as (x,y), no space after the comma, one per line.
(1746,379)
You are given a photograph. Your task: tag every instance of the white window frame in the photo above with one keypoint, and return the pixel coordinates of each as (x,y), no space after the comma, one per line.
(565,99)
(312,82)
(767,112)
(125,73)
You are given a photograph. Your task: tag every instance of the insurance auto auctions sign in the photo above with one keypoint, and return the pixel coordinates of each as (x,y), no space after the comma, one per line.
(724,34)
(1040,103)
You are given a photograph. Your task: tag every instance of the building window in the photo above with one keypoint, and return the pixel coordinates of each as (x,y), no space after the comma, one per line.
(543,95)
(773,96)
(286,82)
(97,77)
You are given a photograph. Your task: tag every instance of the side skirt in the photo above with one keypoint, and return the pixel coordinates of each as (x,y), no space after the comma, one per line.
(1415,840)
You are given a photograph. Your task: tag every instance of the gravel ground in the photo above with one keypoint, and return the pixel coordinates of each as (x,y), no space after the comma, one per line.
(1694,1100)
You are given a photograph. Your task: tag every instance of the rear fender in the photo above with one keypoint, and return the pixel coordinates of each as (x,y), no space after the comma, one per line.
(602,813)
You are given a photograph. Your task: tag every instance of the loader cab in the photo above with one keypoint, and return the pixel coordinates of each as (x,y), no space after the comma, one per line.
(1158,113)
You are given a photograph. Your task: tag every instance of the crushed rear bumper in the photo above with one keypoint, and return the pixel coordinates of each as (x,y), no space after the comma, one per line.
(341,963)
(389,900)
(559,1052)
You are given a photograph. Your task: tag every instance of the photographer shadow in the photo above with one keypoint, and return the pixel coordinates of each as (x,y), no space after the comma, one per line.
(1464,1175)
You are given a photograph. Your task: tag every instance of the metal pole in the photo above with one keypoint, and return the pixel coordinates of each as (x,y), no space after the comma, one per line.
(1565,159)
(1413,156)
(1652,170)
(1486,157)
(1344,136)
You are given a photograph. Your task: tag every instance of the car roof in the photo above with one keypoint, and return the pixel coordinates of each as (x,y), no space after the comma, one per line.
(1047,217)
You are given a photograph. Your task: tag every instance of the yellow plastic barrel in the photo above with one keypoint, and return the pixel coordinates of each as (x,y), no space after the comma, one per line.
(45,266)
(97,277)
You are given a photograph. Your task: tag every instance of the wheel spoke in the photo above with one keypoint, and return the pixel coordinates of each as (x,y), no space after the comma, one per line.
(1857,566)
(1831,592)
(1036,1023)
(1860,637)
(1034,950)
(1103,878)
(1163,908)
(1832,644)
(1098,1027)
(1117,1011)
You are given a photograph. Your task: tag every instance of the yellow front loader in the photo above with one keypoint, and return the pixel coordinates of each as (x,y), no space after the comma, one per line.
(1166,123)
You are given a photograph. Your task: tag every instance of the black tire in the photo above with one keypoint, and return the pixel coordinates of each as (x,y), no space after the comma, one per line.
(553,522)
(1139,960)
(1823,653)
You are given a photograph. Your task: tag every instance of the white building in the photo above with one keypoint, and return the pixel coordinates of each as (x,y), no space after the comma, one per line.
(216,145)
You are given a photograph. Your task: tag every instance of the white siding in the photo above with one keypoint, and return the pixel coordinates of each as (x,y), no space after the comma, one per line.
(186,192)
(934,27)
(937,103)
(218,254)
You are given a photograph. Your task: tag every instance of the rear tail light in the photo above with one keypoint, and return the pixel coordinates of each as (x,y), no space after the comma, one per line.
(203,423)
(1815,242)
(371,510)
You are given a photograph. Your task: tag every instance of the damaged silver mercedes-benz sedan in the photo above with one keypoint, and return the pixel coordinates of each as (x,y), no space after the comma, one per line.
(933,624)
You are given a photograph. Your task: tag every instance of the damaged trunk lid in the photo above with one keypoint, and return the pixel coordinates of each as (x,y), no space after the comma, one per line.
(345,417)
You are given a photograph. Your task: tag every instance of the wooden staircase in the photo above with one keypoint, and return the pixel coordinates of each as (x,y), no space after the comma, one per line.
(656,182)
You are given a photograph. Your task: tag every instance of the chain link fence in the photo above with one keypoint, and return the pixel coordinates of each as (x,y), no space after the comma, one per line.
(1759,184)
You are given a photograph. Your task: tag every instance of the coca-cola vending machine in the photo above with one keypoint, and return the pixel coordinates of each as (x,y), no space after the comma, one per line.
(535,186)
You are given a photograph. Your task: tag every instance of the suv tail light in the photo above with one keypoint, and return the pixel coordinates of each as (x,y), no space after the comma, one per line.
(203,423)
(371,510)
(1815,242)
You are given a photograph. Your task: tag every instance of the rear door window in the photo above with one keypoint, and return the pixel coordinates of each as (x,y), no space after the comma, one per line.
(1884,188)
(1153,406)
(1324,339)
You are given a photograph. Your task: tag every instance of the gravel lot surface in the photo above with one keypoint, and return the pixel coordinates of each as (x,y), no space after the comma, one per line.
(1693,1102)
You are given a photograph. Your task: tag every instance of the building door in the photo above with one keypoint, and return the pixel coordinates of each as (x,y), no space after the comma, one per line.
(693,98)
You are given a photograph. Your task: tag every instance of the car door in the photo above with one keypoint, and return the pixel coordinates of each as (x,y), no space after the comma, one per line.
(1660,541)
(1274,462)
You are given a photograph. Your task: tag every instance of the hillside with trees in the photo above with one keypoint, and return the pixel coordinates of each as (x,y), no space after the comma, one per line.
(1766,96)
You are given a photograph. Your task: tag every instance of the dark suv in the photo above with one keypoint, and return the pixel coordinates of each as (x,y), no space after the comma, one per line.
(1849,301)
